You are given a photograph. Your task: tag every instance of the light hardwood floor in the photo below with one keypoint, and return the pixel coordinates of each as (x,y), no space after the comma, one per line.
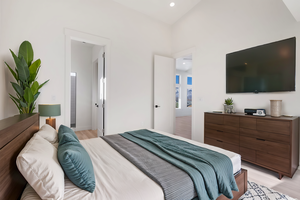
(256,174)
(262,176)
(183,126)
(86,134)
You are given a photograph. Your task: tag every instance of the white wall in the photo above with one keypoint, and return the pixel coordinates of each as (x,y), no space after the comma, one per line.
(135,38)
(184,110)
(216,28)
(96,52)
(81,63)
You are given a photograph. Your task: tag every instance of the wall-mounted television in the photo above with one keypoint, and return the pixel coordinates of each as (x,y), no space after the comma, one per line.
(266,68)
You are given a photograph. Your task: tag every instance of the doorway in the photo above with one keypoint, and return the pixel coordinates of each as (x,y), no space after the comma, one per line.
(87,89)
(90,38)
(183,96)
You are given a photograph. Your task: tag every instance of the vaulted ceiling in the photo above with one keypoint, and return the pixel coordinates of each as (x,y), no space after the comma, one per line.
(161,10)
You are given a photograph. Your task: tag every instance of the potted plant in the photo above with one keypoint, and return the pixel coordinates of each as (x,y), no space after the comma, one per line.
(25,74)
(228,105)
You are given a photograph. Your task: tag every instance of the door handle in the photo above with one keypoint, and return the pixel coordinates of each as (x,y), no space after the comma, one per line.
(156,106)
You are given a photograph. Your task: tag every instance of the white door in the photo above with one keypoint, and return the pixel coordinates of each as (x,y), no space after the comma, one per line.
(164,93)
(98,95)
(101,99)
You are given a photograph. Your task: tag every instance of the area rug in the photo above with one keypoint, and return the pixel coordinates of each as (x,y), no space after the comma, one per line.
(259,192)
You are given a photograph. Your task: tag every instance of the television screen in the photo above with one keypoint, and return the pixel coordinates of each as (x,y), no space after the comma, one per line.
(265,68)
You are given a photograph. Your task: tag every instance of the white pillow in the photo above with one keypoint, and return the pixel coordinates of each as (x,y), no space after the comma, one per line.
(38,163)
(48,133)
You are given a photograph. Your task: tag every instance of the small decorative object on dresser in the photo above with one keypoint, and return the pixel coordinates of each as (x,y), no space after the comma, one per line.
(269,142)
(275,108)
(228,106)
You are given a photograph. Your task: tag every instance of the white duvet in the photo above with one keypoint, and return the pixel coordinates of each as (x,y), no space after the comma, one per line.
(116,178)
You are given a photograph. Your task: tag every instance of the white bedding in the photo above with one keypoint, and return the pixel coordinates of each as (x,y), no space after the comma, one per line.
(116,178)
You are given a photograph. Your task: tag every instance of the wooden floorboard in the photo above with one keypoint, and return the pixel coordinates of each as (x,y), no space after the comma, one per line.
(86,134)
(256,174)
(183,126)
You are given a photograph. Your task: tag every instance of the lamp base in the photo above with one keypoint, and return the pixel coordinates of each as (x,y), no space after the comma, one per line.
(51,122)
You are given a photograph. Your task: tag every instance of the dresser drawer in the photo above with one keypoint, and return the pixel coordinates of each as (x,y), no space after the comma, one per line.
(221,144)
(214,118)
(224,128)
(247,122)
(265,135)
(275,126)
(232,121)
(214,126)
(274,162)
(223,136)
(231,147)
(276,149)
(213,142)
(248,154)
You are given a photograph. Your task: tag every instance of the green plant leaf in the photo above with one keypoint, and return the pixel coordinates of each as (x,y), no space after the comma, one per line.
(22,67)
(12,72)
(33,69)
(43,84)
(32,108)
(16,99)
(35,87)
(26,51)
(18,88)
(36,96)
(24,105)
(17,104)
(28,96)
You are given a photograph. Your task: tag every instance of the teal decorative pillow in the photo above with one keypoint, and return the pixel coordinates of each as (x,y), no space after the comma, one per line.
(64,129)
(76,162)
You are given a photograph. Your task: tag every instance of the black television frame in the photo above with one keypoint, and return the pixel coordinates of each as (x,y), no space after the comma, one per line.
(251,48)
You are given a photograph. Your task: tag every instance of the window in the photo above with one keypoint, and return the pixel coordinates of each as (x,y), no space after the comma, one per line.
(177,79)
(189,92)
(177,98)
(189,97)
(177,92)
(189,80)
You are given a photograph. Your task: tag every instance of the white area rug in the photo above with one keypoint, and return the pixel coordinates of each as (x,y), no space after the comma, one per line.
(259,192)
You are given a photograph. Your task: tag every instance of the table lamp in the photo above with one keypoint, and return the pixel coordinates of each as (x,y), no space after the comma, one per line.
(50,110)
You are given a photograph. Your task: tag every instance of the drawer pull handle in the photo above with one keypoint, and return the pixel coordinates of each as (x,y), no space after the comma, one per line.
(219,131)
(260,139)
(219,140)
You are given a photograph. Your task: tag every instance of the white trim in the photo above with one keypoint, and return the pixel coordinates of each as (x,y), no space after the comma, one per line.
(92,39)
(180,54)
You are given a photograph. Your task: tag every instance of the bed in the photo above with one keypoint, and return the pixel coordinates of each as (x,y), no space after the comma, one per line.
(128,183)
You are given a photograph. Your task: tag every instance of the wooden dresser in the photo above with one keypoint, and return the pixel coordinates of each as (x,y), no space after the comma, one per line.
(269,142)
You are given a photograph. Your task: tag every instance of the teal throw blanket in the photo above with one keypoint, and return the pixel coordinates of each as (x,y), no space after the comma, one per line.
(211,172)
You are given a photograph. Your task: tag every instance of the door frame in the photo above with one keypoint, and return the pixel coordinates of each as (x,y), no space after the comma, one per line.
(180,54)
(92,39)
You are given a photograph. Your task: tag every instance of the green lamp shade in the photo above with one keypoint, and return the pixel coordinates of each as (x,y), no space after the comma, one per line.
(49,110)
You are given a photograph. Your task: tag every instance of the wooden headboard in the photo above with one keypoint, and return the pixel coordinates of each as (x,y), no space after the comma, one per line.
(14,134)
